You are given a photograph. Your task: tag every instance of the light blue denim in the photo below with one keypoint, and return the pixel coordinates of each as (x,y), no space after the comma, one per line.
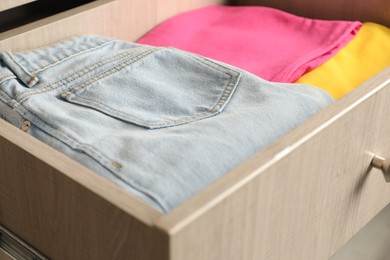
(159,122)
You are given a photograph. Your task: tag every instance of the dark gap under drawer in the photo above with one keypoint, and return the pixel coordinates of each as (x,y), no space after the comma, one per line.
(24,14)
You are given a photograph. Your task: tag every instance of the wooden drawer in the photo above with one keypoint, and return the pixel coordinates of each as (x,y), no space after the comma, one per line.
(301,198)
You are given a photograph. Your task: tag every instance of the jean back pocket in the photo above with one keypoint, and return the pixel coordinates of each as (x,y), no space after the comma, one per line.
(166,88)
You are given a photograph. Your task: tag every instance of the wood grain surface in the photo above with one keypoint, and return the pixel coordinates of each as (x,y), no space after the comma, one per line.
(58,206)
(68,212)
(303,197)
(121,19)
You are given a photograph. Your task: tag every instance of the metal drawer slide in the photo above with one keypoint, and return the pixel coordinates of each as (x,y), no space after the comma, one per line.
(15,248)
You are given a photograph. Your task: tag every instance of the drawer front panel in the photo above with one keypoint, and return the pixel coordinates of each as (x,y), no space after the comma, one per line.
(304,201)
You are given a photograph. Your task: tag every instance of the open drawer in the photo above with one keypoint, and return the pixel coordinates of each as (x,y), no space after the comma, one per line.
(302,197)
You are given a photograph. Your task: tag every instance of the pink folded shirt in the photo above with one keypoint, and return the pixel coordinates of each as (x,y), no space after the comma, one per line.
(272,44)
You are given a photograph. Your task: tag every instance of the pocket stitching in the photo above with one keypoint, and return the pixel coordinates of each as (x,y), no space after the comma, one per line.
(113,70)
(137,121)
(220,105)
(226,94)
(72,77)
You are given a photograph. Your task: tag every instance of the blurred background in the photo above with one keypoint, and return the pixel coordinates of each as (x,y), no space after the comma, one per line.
(371,243)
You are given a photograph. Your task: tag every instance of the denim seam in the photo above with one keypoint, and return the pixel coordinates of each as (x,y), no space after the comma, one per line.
(87,149)
(65,80)
(20,65)
(134,120)
(5,94)
(218,107)
(137,121)
(233,74)
(209,63)
(119,67)
(55,62)
(10,76)
(71,78)
(69,57)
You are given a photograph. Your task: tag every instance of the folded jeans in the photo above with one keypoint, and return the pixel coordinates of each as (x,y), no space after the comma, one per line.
(159,122)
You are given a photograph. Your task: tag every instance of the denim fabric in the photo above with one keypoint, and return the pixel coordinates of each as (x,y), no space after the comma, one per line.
(159,122)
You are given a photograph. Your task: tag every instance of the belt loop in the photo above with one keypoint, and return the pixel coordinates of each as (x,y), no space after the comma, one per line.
(26,77)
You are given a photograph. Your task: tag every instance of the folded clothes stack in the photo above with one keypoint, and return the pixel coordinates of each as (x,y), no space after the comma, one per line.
(272,44)
(366,55)
(336,56)
(164,123)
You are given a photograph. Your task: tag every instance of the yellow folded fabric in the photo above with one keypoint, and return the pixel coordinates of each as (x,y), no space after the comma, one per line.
(364,56)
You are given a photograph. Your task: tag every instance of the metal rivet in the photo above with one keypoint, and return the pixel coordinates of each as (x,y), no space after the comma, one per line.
(25,125)
(65,94)
(117,165)
(32,80)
